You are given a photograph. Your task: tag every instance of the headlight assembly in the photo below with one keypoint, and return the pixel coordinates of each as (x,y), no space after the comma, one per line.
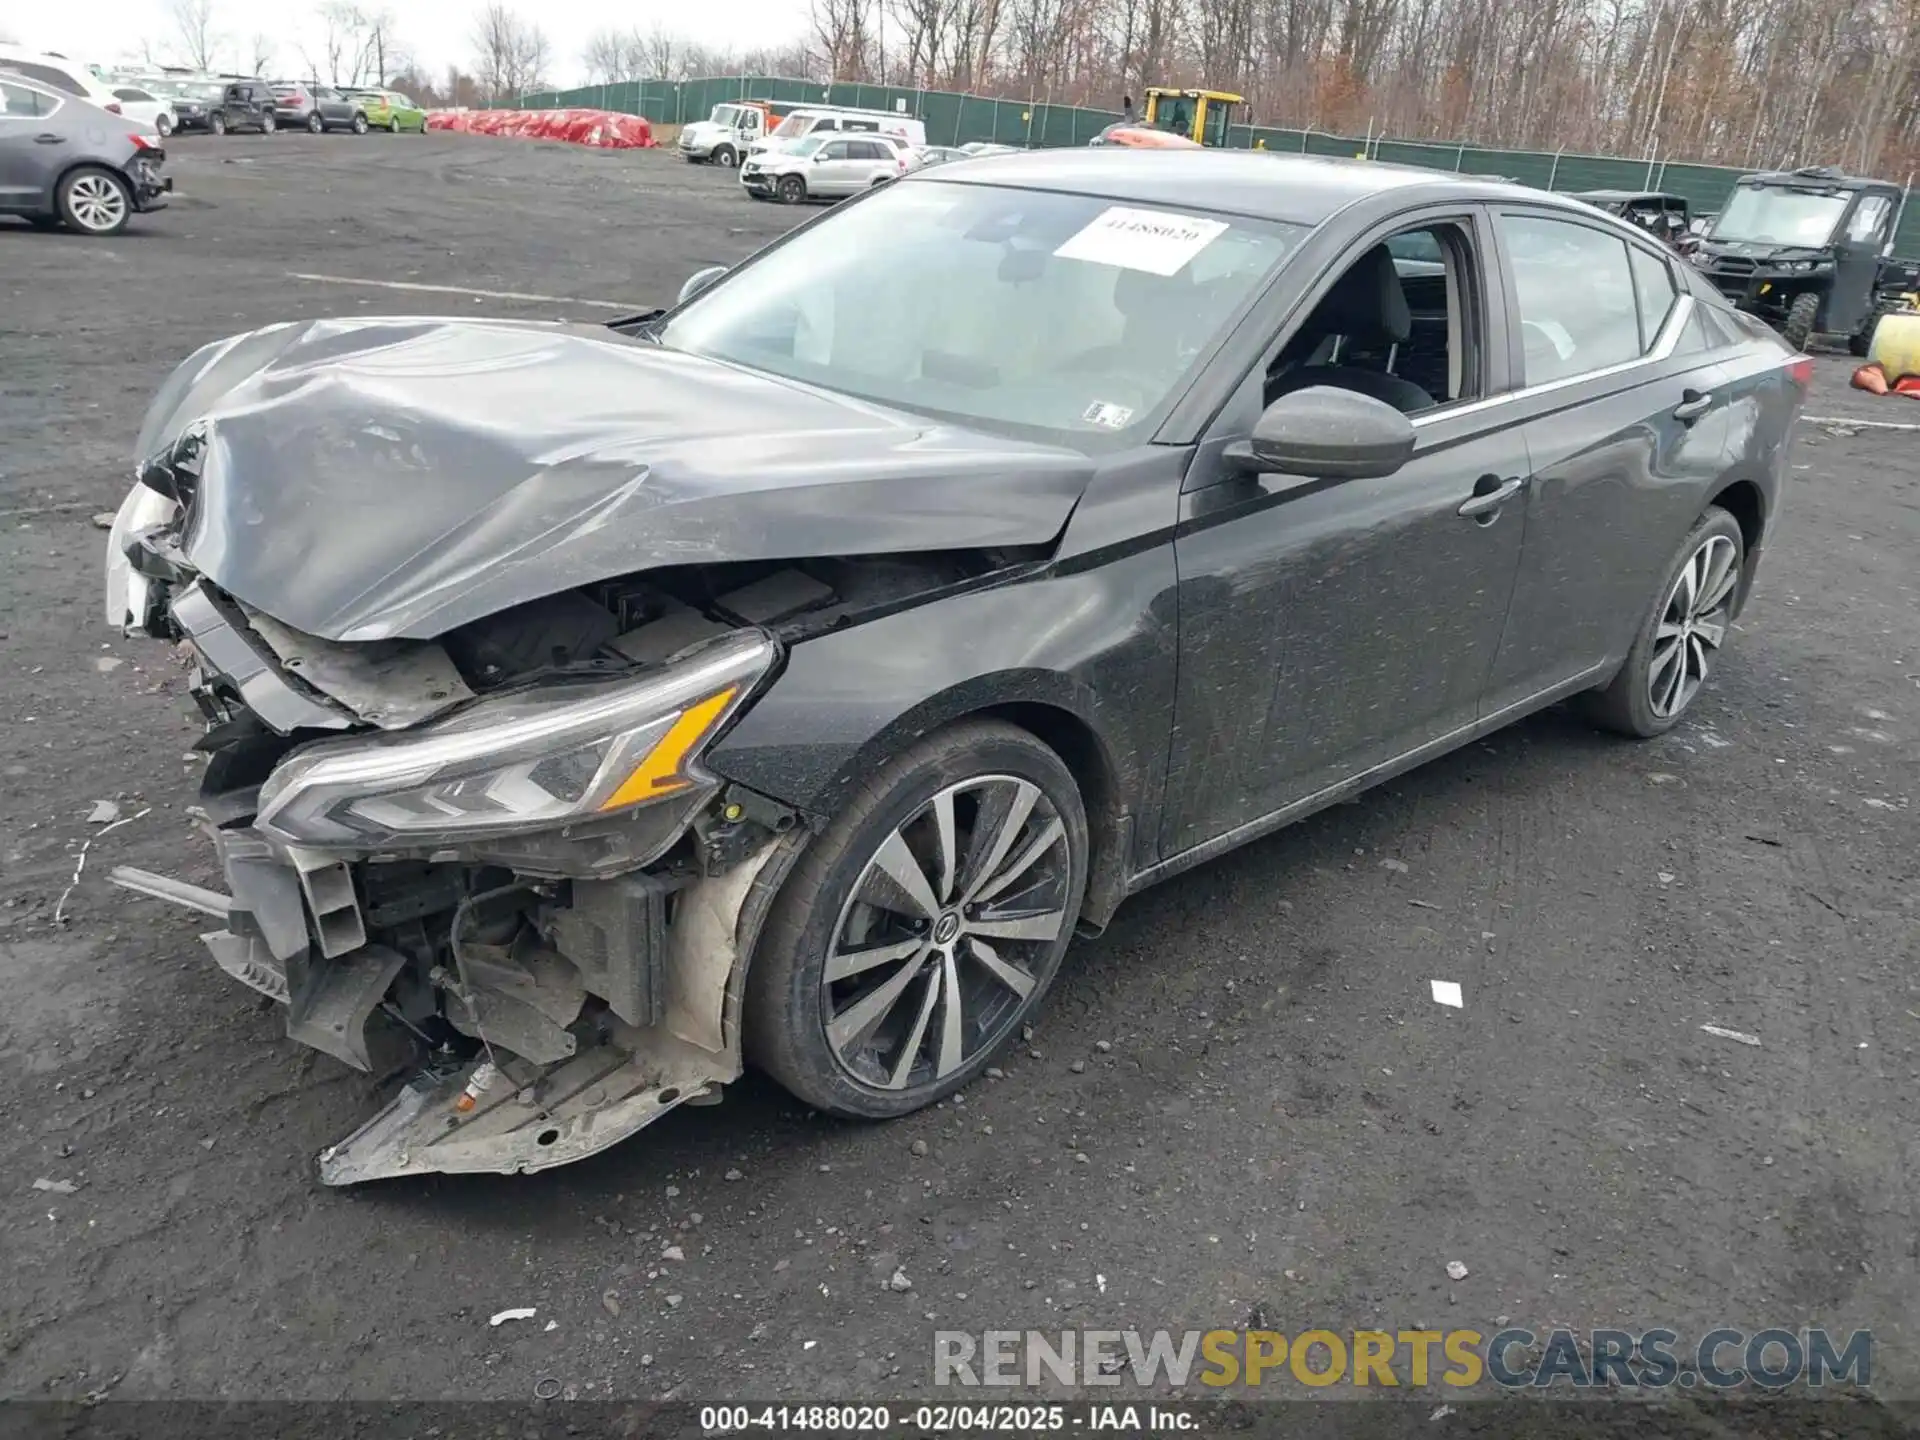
(540,759)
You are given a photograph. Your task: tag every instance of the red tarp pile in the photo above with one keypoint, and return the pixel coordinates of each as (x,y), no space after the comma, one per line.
(607,129)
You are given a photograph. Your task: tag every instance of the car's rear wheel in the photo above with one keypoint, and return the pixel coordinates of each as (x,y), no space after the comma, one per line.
(724,157)
(791,189)
(316,123)
(217,124)
(94,201)
(163,125)
(1797,329)
(268,124)
(1680,640)
(923,926)
(359,124)
(394,125)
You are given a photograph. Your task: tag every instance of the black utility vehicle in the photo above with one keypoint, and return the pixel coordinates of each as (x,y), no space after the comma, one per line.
(222,103)
(1809,251)
(1661,215)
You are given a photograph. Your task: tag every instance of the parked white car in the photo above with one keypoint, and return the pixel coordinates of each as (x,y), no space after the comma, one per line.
(824,167)
(141,104)
(70,77)
(814,120)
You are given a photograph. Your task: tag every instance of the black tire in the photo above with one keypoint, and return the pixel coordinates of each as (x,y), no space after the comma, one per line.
(787,1011)
(316,124)
(268,124)
(1861,341)
(1797,329)
(724,156)
(359,123)
(163,125)
(393,125)
(216,124)
(1626,703)
(92,200)
(791,189)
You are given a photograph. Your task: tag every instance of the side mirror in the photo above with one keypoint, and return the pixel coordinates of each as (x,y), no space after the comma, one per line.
(1326,433)
(698,281)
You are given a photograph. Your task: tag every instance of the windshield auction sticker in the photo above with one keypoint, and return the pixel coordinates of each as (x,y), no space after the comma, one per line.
(1155,241)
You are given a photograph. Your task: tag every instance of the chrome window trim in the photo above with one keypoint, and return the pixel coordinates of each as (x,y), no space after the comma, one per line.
(1664,345)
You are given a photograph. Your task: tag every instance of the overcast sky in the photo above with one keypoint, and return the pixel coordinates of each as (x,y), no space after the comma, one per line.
(438,32)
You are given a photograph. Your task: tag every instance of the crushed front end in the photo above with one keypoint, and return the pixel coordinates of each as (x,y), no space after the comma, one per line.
(490,862)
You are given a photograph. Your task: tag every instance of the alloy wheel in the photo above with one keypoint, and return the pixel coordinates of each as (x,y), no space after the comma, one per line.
(97,204)
(936,950)
(1692,626)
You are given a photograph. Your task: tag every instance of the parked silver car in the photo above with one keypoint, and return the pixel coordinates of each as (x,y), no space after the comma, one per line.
(65,162)
(823,167)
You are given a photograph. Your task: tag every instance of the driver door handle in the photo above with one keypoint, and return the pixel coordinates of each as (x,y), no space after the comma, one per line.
(1693,404)
(1485,502)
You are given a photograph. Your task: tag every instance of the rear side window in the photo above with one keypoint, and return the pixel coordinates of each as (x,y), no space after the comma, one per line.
(139,97)
(19,100)
(871,150)
(1576,298)
(1653,291)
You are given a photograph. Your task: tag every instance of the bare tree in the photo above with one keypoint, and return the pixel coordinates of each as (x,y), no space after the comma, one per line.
(511,55)
(194,31)
(260,52)
(605,56)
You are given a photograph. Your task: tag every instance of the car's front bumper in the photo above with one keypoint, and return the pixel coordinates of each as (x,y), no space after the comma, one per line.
(150,187)
(305,930)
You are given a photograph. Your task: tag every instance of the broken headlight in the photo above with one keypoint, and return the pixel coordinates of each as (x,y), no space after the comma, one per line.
(532,761)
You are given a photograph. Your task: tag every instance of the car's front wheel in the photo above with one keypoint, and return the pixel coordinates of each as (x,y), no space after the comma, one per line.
(1681,638)
(724,157)
(922,927)
(791,189)
(216,124)
(94,201)
(162,124)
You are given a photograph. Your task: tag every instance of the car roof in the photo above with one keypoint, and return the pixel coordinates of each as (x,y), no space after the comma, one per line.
(1305,189)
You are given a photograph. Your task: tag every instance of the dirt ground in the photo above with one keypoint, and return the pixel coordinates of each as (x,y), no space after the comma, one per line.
(1241,1104)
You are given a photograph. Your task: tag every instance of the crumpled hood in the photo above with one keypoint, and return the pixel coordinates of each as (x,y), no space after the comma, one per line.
(366,479)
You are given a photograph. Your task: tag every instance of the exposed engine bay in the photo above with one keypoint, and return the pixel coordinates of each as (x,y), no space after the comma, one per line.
(491,861)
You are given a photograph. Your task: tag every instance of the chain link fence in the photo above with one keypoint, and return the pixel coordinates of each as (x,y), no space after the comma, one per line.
(956,119)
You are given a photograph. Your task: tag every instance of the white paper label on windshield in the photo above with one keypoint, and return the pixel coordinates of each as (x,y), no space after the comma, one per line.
(1106,413)
(1151,240)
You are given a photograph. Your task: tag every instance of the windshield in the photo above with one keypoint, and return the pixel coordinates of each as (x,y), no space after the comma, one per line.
(211,91)
(1775,215)
(1026,310)
(725,115)
(794,124)
(808,145)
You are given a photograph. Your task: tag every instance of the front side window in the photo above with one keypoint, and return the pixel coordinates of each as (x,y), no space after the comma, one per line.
(1575,291)
(1777,215)
(1066,317)
(725,116)
(835,151)
(1869,217)
(139,97)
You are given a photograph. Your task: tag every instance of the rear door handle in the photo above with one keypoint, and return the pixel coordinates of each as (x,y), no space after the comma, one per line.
(49,139)
(1486,502)
(1692,406)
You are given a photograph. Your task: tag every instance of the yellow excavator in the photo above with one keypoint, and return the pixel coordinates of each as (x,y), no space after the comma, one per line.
(1201,115)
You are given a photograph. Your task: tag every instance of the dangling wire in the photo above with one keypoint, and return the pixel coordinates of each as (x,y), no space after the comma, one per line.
(460,913)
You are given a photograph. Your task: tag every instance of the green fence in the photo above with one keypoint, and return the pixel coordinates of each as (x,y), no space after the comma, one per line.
(955,119)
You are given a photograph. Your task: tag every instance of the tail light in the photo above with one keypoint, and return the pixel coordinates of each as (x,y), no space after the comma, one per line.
(899,164)
(1800,369)
(145,142)
(113,108)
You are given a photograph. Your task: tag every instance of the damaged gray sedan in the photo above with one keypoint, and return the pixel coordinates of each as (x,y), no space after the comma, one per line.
(786,678)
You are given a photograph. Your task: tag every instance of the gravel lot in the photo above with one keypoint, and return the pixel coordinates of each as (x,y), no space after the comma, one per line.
(1242,1099)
